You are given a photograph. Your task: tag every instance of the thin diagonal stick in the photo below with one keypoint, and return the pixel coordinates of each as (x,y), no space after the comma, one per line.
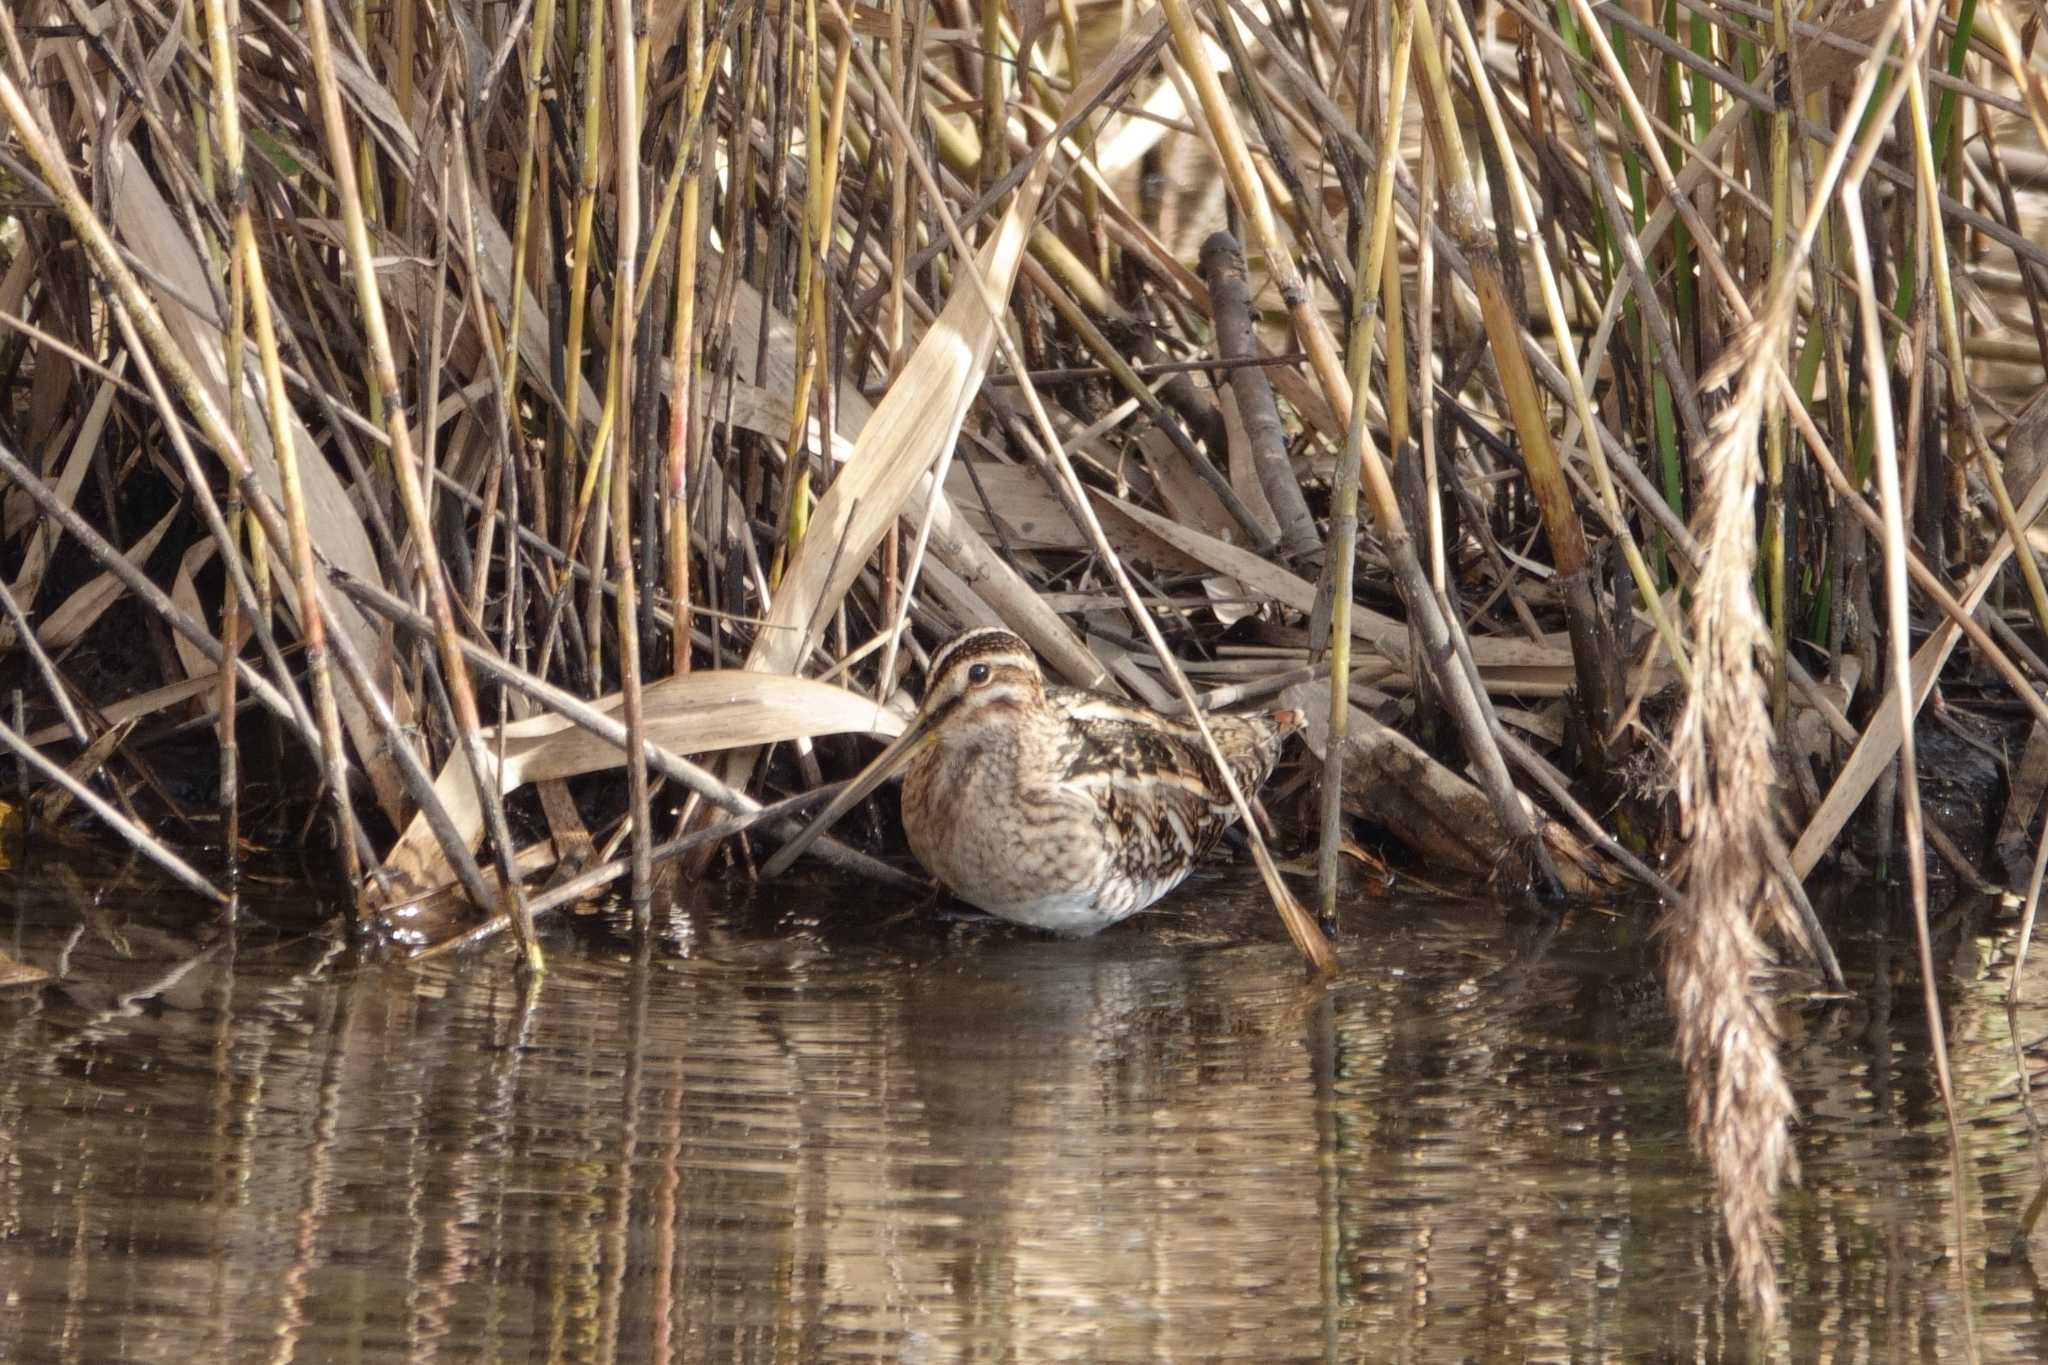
(126,828)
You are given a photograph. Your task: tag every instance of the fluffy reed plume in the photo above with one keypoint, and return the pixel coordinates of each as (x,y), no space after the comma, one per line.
(1739,1103)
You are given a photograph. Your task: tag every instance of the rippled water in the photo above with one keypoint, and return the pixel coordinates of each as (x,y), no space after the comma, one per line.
(807,1125)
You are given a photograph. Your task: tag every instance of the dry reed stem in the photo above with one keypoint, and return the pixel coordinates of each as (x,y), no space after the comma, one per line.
(143,841)
(455,674)
(526,397)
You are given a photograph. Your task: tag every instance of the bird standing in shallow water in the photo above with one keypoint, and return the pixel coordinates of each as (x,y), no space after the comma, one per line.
(1050,806)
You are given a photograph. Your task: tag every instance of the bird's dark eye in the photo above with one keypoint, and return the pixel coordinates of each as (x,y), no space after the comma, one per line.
(978,674)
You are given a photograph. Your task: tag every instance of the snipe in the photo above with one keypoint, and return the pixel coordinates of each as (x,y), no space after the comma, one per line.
(1051,806)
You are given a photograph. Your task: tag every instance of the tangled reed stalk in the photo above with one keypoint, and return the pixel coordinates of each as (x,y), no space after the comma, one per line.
(407,411)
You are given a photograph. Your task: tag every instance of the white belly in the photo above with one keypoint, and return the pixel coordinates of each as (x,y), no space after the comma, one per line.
(1075,911)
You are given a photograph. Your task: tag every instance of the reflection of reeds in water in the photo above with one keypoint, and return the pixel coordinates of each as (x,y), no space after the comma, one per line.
(991,1148)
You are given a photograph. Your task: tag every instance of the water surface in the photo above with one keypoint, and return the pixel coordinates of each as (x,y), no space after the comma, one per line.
(809,1124)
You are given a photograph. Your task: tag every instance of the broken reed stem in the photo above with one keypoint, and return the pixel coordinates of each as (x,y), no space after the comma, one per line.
(1250,198)
(1594,654)
(1470,708)
(1127,378)
(1223,271)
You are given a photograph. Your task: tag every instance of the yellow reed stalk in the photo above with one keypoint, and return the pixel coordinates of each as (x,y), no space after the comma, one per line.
(683,363)
(455,672)
(809,284)
(579,301)
(1567,349)
(522,213)
(1778,433)
(238,422)
(366,175)
(689,136)
(254,293)
(627,79)
(1377,267)
(1592,645)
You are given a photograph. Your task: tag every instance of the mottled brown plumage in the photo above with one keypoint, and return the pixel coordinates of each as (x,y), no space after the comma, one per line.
(1055,807)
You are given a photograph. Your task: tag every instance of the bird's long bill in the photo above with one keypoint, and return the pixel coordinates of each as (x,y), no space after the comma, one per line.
(871,777)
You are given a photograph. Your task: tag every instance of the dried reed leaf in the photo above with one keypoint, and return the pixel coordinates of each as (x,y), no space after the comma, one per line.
(1382,632)
(899,445)
(178,278)
(910,429)
(689,713)
(963,546)
(135,707)
(1187,498)
(1027,515)
(186,594)
(36,557)
(76,615)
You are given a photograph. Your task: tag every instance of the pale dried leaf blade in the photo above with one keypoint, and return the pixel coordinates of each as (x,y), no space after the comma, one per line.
(912,426)
(28,575)
(15,974)
(185,592)
(1874,751)
(78,611)
(758,405)
(136,707)
(690,713)
(155,235)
